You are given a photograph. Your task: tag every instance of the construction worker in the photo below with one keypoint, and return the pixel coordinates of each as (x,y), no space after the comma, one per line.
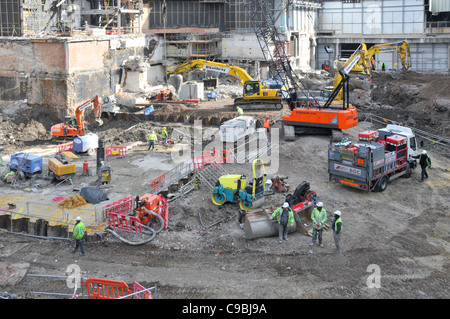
(424,161)
(164,135)
(78,233)
(319,217)
(152,140)
(267,124)
(285,218)
(337,229)
(383,66)
(5,178)
(239,111)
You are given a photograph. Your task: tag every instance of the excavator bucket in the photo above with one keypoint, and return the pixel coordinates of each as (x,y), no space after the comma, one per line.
(98,121)
(258,224)
(302,217)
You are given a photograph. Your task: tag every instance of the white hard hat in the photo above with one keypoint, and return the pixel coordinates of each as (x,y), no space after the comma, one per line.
(285,205)
(153,132)
(338,212)
(424,152)
(319,204)
(78,218)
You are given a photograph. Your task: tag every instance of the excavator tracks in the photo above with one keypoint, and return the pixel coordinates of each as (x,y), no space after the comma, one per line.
(262,105)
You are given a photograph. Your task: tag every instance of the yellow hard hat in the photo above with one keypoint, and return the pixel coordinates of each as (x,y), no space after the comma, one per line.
(164,127)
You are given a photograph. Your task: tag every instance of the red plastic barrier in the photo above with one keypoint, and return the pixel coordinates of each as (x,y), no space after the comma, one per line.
(115,152)
(158,181)
(126,223)
(199,162)
(64,147)
(163,210)
(106,289)
(137,287)
(122,206)
(220,156)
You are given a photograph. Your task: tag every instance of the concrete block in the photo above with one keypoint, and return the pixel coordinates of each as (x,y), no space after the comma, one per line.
(191,91)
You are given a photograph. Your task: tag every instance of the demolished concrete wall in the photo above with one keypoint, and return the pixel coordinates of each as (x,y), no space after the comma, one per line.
(61,73)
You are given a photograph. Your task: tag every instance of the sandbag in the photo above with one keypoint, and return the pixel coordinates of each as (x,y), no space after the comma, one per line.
(93,195)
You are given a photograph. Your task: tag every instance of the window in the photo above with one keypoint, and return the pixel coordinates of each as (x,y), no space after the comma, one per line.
(413,143)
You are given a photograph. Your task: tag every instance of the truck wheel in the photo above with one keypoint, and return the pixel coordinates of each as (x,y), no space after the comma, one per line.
(91,152)
(51,175)
(407,172)
(382,184)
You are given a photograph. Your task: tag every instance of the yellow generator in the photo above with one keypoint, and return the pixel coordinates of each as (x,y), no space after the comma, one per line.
(59,167)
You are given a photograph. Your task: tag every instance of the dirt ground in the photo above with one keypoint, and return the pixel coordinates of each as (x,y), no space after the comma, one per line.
(402,234)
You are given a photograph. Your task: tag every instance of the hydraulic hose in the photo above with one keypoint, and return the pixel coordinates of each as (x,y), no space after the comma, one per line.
(152,231)
(132,243)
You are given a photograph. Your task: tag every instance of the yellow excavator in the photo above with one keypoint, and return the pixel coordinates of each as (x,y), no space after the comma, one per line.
(362,60)
(366,64)
(256,94)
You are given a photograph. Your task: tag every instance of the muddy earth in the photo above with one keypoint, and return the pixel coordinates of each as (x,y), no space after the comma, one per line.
(395,244)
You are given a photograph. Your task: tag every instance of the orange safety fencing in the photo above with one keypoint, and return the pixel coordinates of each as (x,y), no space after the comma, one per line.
(115,152)
(106,289)
(64,147)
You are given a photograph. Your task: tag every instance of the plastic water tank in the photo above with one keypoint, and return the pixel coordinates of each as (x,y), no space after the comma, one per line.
(82,144)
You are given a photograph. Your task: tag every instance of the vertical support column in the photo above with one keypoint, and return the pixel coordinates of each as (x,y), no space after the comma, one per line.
(119,18)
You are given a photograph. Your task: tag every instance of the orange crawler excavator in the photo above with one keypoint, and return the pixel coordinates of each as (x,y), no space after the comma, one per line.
(73,124)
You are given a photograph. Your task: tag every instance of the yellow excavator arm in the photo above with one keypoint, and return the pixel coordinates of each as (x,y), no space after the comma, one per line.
(401,47)
(361,59)
(238,72)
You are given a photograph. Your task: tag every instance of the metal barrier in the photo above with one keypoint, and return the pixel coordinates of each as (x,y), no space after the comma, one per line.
(179,172)
(96,288)
(112,152)
(63,285)
(44,226)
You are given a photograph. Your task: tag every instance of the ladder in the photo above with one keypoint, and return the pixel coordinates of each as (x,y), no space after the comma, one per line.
(19,168)
(210,175)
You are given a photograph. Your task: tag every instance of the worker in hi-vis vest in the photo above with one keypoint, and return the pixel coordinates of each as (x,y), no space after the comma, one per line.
(152,140)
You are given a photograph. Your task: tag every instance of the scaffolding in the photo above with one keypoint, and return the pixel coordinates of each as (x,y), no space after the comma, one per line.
(10,24)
